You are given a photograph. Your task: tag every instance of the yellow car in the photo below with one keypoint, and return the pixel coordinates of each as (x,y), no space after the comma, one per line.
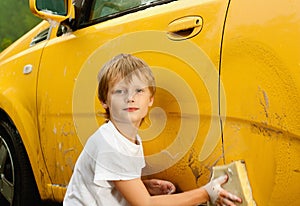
(228,89)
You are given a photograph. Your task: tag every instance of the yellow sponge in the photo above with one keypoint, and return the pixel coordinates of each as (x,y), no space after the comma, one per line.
(238,183)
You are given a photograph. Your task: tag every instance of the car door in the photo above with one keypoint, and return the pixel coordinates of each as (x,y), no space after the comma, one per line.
(261,77)
(181,42)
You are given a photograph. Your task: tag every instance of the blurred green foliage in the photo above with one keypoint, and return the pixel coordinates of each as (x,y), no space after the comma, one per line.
(15,20)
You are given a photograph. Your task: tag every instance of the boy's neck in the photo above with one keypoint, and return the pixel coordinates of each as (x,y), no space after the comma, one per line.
(128,130)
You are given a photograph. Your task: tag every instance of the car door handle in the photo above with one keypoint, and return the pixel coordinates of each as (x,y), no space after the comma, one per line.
(184,27)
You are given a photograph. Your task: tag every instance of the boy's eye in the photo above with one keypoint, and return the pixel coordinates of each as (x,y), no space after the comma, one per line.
(139,90)
(119,91)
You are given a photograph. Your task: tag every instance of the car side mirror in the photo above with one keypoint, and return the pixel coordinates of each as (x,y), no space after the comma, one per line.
(52,10)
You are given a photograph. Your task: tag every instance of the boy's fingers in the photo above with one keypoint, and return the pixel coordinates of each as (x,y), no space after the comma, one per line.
(227,202)
(169,187)
(172,189)
(156,182)
(229,196)
(222,179)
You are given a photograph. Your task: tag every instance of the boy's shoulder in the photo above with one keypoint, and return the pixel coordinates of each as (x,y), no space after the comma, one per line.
(102,136)
(101,132)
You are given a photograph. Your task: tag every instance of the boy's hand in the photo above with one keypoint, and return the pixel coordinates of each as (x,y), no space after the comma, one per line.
(159,187)
(218,195)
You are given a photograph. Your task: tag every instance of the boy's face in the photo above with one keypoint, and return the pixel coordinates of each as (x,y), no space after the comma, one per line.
(128,102)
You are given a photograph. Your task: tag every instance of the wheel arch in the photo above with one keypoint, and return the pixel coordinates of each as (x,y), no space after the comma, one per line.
(22,121)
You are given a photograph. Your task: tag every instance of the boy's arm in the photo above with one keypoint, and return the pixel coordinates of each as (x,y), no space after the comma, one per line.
(136,194)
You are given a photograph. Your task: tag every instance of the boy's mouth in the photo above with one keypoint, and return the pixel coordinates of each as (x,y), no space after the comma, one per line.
(131,109)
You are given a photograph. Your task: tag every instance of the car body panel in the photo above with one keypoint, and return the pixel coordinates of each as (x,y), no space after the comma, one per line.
(22,43)
(261,77)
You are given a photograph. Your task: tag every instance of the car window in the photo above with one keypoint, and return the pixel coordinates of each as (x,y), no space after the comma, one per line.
(105,8)
(95,11)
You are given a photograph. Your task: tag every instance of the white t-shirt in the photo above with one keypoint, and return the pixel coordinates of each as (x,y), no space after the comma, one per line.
(107,156)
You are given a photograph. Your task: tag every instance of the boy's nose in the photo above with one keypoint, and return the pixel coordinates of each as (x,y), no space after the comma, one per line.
(130,101)
(130,97)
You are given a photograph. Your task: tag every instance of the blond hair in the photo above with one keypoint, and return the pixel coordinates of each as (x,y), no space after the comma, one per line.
(123,66)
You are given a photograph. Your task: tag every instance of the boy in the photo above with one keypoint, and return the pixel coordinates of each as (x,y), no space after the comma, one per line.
(108,171)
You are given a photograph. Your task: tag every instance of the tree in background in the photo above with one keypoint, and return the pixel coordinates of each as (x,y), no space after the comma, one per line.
(15,20)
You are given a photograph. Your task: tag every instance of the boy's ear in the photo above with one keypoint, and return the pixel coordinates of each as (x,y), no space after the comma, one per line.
(151,101)
(104,105)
